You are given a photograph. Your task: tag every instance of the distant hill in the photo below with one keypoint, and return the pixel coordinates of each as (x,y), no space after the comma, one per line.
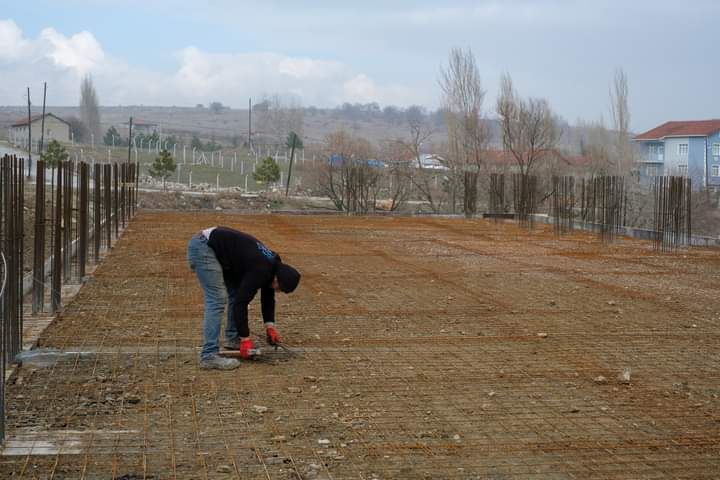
(230,126)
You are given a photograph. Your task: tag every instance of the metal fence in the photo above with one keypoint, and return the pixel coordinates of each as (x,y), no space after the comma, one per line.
(71,213)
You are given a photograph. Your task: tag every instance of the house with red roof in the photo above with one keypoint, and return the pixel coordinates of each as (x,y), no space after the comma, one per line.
(55,129)
(689,148)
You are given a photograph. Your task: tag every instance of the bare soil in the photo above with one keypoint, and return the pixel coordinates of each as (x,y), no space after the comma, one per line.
(424,348)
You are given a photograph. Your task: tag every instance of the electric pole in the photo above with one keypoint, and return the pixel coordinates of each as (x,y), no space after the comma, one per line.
(42,122)
(29,130)
(130,139)
(292,154)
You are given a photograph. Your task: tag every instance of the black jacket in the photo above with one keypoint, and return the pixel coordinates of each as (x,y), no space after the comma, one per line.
(248,266)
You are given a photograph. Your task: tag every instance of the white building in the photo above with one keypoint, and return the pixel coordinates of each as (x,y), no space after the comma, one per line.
(431,162)
(55,129)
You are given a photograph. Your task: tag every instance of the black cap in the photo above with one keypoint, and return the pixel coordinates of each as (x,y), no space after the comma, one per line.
(288,278)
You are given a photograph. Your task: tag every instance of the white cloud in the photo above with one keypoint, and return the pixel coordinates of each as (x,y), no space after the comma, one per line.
(12,44)
(199,77)
(81,52)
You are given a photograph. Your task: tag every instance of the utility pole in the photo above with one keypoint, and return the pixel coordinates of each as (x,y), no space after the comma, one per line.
(130,139)
(250,124)
(42,122)
(292,155)
(29,130)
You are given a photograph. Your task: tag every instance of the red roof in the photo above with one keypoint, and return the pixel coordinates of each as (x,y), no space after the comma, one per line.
(24,121)
(681,129)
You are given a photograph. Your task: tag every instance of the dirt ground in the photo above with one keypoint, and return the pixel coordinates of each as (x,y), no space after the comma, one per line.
(424,348)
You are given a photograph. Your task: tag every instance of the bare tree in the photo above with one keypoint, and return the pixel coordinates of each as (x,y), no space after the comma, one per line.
(463,98)
(89,109)
(398,176)
(597,145)
(621,122)
(284,114)
(529,132)
(349,180)
(410,150)
(530,135)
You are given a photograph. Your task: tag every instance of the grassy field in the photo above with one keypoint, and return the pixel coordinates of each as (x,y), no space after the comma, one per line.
(234,170)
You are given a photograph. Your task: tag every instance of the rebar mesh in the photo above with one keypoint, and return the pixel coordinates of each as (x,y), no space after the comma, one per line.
(672,218)
(563,204)
(427,348)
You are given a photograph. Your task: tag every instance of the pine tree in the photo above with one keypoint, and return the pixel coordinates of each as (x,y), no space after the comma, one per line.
(267,172)
(163,166)
(54,155)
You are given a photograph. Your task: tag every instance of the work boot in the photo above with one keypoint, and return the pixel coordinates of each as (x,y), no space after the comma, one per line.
(247,349)
(273,337)
(231,344)
(219,363)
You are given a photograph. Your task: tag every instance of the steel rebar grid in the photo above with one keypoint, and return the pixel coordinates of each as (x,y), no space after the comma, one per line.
(605,203)
(11,274)
(38,291)
(97,210)
(672,212)
(68,169)
(116,206)
(83,224)
(525,198)
(470,184)
(107,203)
(497,193)
(520,404)
(20,247)
(123,188)
(57,240)
(563,204)
(12,249)
(4,311)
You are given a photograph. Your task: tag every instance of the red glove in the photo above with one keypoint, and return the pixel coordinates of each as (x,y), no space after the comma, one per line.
(247,349)
(273,337)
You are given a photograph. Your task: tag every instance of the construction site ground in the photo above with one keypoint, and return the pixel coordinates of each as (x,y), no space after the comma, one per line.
(423,348)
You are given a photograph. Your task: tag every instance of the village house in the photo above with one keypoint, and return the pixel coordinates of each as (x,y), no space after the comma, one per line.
(689,148)
(55,129)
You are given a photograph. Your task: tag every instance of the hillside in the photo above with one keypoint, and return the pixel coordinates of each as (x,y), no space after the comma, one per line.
(231,125)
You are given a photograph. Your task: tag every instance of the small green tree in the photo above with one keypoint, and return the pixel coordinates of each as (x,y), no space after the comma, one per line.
(196,143)
(163,166)
(112,137)
(54,154)
(267,172)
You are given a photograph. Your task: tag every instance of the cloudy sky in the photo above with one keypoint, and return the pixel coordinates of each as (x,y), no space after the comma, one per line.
(162,52)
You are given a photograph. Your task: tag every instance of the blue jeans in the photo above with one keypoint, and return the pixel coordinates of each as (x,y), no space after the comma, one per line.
(203,262)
